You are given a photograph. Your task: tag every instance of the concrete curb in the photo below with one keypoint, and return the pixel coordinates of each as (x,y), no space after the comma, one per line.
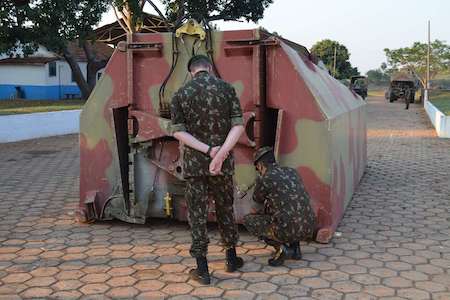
(21,127)
(440,121)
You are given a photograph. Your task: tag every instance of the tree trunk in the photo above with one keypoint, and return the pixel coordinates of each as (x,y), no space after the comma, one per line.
(93,64)
(77,74)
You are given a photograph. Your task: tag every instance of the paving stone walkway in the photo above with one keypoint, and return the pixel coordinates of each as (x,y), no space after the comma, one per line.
(395,241)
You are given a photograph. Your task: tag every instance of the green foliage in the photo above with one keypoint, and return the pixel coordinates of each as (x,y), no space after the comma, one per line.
(13,30)
(18,106)
(325,50)
(250,10)
(441,99)
(130,12)
(51,23)
(415,58)
(378,77)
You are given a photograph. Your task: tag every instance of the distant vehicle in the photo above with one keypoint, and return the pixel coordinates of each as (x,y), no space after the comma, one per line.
(403,85)
(359,84)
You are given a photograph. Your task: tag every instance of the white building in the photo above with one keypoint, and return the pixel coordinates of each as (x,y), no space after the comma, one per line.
(44,75)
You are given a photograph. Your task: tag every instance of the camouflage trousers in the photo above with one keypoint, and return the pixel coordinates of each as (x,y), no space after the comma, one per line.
(263,227)
(198,191)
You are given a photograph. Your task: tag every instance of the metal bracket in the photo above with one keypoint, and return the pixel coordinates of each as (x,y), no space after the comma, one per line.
(245,47)
(191,28)
(136,46)
(266,42)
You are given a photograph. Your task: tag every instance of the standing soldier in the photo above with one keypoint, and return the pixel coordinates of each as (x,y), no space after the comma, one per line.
(207,119)
(288,216)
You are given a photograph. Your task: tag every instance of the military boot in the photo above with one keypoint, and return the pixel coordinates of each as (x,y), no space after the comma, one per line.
(293,251)
(201,273)
(233,262)
(278,257)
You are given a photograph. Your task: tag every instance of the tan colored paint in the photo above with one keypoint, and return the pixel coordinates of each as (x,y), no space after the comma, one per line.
(312,150)
(92,117)
(239,87)
(244,176)
(153,92)
(96,127)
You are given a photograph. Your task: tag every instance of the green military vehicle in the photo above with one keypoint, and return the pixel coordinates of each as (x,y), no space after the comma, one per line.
(403,85)
(359,84)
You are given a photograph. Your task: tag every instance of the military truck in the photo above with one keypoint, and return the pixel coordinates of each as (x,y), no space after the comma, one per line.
(359,84)
(402,85)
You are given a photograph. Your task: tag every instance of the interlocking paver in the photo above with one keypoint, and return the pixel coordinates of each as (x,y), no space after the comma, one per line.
(177,289)
(346,286)
(66,295)
(16,278)
(37,292)
(70,284)
(123,293)
(262,287)
(41,281)
(95,278)
(94,288)
(394,245)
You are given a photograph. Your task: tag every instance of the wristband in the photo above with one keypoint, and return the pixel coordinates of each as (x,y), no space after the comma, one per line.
(209,151)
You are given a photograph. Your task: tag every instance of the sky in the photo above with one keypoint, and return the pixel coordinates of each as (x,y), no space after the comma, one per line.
(365,27)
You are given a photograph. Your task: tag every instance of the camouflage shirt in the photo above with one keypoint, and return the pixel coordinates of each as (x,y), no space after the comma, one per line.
(207,108)
(285,199)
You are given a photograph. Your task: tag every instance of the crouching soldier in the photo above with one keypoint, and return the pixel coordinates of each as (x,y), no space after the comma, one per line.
(288,216)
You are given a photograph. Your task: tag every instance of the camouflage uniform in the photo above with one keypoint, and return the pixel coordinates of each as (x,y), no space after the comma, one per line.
(288,215)
(207,108)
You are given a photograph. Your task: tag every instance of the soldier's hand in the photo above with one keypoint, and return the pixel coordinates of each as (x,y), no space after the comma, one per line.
(214,151)
(216,165)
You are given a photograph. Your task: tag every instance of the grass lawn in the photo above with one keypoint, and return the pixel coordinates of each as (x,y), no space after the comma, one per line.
(11,107)
(441,99)
(376,93)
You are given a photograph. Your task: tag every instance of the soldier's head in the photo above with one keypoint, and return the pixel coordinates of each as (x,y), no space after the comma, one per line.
(199,63)
(263,157)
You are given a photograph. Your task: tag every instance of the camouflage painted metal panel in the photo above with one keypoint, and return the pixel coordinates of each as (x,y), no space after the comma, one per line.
(131,168)
(323,132)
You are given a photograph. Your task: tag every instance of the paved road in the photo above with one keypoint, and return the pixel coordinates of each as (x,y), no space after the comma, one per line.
(395,240)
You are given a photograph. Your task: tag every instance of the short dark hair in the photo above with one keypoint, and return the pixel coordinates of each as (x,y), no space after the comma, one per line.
(267,159)
(198,61)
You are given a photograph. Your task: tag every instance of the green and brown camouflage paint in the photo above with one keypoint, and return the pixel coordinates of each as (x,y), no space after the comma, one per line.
(130,165)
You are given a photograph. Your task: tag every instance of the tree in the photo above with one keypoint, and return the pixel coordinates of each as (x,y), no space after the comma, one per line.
(129,12)
(12,18)
(325,50)
(377,77)
(212,10)
(53,24)
(414,58)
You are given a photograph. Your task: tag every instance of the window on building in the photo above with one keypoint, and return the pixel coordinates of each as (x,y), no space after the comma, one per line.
(52,69)
(99,75)
(73,77)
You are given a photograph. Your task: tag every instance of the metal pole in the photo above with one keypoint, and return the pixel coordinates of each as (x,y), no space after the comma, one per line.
(428,62)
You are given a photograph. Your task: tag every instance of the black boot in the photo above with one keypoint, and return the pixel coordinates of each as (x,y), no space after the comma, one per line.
(233,262)
(279,256)
(201,274)
(293,251)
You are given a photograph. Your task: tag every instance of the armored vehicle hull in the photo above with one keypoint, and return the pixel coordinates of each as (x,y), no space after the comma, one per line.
(131,167)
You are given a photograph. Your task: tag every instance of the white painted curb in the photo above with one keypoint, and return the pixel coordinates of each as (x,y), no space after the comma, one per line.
(21,127)
(440,121)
